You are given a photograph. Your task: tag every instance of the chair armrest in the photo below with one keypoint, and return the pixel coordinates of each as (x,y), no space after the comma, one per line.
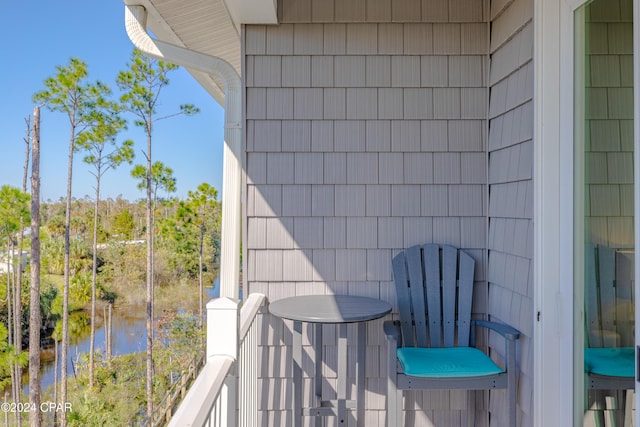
(394,341)
(392,332)
(505,330)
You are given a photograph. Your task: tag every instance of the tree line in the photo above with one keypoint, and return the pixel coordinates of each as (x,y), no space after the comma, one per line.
(92,245)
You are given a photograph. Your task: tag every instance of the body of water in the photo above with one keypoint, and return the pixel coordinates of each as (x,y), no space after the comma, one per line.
(129,335)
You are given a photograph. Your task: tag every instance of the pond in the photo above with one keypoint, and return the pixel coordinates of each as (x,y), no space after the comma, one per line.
(129,335)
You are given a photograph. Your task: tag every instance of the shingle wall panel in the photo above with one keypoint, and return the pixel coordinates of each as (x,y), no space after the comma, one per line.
(406,10)
(308,103)
(296,200)
(308,232)
(378,200)
(270,71)
(279,103)
(446,39)
(279,39)
(257,168)
(345,143)
(322,200)
(378,135)
(362,232)
(335,104)
(418,103)
(434,135)
(446,168)
(350,11)
(390,103)
(405,136)
(322,11)
(418,168)
(321,135)
(362,168)
(418,39)
(417,230)
(335,168)
(390,38)
(294,10)
(434,71)
(350,200)
(280,168)
(296,71)
(391,168)
(296,135)
(362,103)
(446,103)
(322,68)
(405,71)
(335,39)
(362,39)
(435,10)
(378,10)
(447,230)
(308,168)
(378,71)
(434,200)
(349,135)
(465,11)
(308,39)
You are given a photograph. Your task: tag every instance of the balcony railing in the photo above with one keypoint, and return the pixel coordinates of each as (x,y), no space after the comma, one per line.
(225,393)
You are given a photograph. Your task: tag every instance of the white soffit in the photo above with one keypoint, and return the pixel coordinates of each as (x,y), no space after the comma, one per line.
(252,11)
(200,25)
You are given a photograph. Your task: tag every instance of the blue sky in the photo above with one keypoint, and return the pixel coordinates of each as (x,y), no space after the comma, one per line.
(42,34)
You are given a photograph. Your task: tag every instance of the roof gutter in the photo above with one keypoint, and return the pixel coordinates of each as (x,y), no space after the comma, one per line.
(136,25)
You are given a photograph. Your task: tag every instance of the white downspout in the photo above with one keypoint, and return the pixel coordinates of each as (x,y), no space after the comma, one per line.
(136,25)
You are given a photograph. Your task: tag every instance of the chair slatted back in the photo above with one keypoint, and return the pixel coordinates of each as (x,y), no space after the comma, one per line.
(608,298)
(434,285)
(600,293)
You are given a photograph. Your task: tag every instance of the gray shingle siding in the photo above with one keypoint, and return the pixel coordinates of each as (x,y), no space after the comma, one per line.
(510,173)
(366,134)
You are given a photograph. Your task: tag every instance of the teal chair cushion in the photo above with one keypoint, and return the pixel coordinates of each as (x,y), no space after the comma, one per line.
(610,361)
(452,362)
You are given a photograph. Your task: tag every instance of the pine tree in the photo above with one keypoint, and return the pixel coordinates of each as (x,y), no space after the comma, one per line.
(142,84)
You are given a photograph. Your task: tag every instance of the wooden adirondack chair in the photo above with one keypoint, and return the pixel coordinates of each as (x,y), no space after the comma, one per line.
(609,354)
(433,345)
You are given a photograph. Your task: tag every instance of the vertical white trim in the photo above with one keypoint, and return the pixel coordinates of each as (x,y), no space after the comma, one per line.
(548,399)
(636,187)
(553,215)
(243,195)
(579,101)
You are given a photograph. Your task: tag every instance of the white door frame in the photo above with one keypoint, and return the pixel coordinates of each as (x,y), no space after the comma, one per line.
(636,191)
(556,365)
(553,214)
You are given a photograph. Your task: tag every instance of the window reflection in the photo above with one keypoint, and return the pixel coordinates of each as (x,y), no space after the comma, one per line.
(605,137)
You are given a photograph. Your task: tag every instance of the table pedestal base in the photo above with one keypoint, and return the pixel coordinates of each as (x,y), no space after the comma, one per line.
(340,406)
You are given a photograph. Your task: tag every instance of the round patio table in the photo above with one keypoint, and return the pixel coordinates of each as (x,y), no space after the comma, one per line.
(331,309)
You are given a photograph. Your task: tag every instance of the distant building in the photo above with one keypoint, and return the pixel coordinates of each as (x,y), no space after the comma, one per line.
(8,266)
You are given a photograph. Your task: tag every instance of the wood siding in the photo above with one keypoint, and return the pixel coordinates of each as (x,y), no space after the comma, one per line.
(369,129)
(510,149)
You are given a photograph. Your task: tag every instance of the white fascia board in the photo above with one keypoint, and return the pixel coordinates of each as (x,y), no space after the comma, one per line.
(252,11)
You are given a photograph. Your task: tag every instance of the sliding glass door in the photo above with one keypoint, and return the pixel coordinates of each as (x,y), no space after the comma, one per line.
(604,208)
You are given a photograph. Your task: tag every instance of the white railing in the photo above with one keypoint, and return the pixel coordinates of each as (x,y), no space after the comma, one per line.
(225,393)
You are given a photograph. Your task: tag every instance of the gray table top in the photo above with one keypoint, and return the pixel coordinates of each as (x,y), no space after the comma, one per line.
(329,308)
